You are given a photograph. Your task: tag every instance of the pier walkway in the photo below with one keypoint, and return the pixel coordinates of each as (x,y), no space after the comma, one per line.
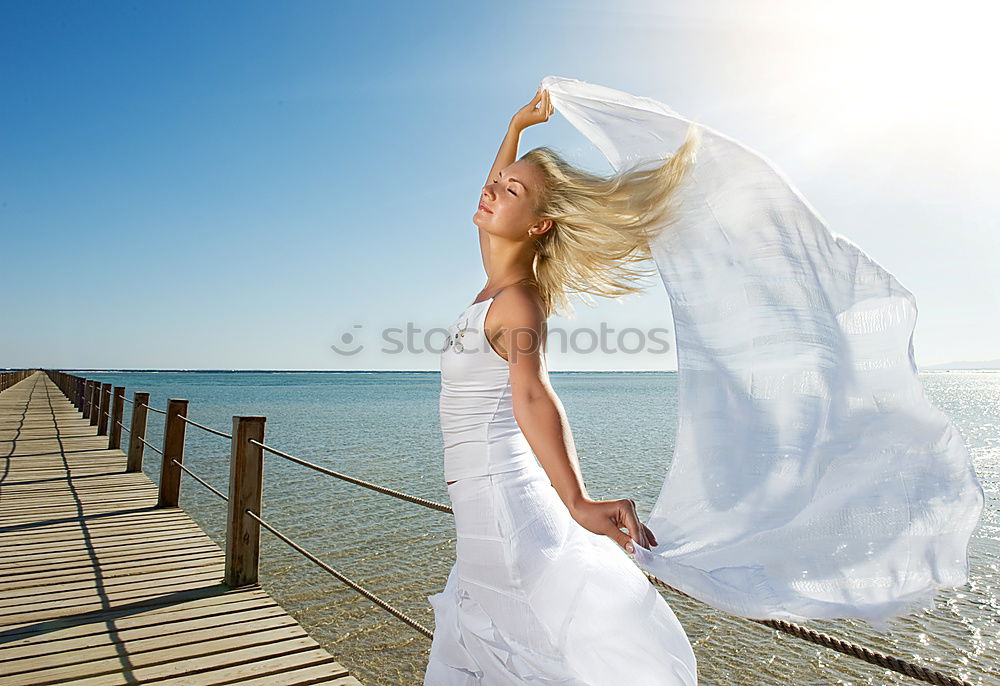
(98,586)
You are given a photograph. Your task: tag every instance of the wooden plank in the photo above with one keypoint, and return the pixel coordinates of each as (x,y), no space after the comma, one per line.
(195,599)
(120,521)
(104,537)
(89,556)
(299,676)
(66,592)
(172,662)
(206,638)
(161,625)
(95,545)
(45,610)
(40,580)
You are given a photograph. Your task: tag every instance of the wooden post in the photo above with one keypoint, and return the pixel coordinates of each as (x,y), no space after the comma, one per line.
(95,402)
(86,398)
(246,480)
(88,394)
(136,429)
(173,449)
(117,403)
(102,419)
(78,395)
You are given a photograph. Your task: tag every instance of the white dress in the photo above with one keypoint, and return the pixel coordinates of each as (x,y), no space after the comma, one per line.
(533,597)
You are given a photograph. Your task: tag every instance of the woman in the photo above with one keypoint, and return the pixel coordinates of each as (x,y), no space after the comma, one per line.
(542,591)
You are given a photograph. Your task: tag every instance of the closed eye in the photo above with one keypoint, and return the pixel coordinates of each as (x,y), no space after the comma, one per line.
(511,192)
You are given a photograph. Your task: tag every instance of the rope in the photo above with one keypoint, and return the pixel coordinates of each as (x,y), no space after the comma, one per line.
(873,657)
(206,428)
(151,446)
(357,587)
(360,482)
(200,480)
(153,408)
(122,426)
(870,656)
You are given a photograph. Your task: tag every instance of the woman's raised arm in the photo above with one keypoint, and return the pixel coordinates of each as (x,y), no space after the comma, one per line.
(535,112)
(505,157)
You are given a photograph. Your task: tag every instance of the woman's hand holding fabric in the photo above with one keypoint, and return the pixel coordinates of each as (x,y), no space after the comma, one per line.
(607,517)
(535,112)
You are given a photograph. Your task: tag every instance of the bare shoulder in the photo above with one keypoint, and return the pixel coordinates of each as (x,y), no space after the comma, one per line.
(515,324)
(518,306)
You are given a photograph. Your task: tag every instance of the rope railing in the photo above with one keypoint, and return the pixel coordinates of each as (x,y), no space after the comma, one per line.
(206,428)
(354,585)
(204,483)
(354,480)
(148,407)
(149,445)
(870,656)
(122,426)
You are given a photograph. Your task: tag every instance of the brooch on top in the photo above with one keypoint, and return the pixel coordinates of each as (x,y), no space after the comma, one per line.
(458,347)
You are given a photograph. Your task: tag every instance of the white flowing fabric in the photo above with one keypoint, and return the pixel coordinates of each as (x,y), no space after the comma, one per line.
(811,476)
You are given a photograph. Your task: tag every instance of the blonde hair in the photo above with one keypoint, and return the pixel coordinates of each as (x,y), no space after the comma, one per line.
(602,226)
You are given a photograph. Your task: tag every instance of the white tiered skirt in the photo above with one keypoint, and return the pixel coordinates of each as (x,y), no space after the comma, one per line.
(534,598)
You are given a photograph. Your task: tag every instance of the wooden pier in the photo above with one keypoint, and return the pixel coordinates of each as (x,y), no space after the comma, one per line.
(100,586)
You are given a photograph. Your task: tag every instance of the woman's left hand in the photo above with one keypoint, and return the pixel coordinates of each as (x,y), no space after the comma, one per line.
(606,517)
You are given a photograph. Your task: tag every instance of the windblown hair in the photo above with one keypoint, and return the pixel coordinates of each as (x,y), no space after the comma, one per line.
(602,226)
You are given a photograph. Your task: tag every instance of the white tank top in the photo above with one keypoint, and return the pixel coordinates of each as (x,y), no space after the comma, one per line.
(480,433)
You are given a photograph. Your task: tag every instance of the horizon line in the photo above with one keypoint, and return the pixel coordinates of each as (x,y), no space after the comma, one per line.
(932,368)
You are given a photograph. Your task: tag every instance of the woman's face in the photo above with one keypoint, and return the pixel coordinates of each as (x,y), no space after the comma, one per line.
(507,202)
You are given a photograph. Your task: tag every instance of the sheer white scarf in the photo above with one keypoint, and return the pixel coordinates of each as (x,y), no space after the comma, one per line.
(811,476)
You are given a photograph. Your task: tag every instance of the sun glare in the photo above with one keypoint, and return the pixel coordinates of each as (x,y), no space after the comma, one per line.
(896,69)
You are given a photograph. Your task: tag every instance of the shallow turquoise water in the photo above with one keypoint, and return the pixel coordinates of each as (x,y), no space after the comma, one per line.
(383,427)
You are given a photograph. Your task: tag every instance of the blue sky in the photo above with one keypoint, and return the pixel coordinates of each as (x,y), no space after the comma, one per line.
(238,185)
